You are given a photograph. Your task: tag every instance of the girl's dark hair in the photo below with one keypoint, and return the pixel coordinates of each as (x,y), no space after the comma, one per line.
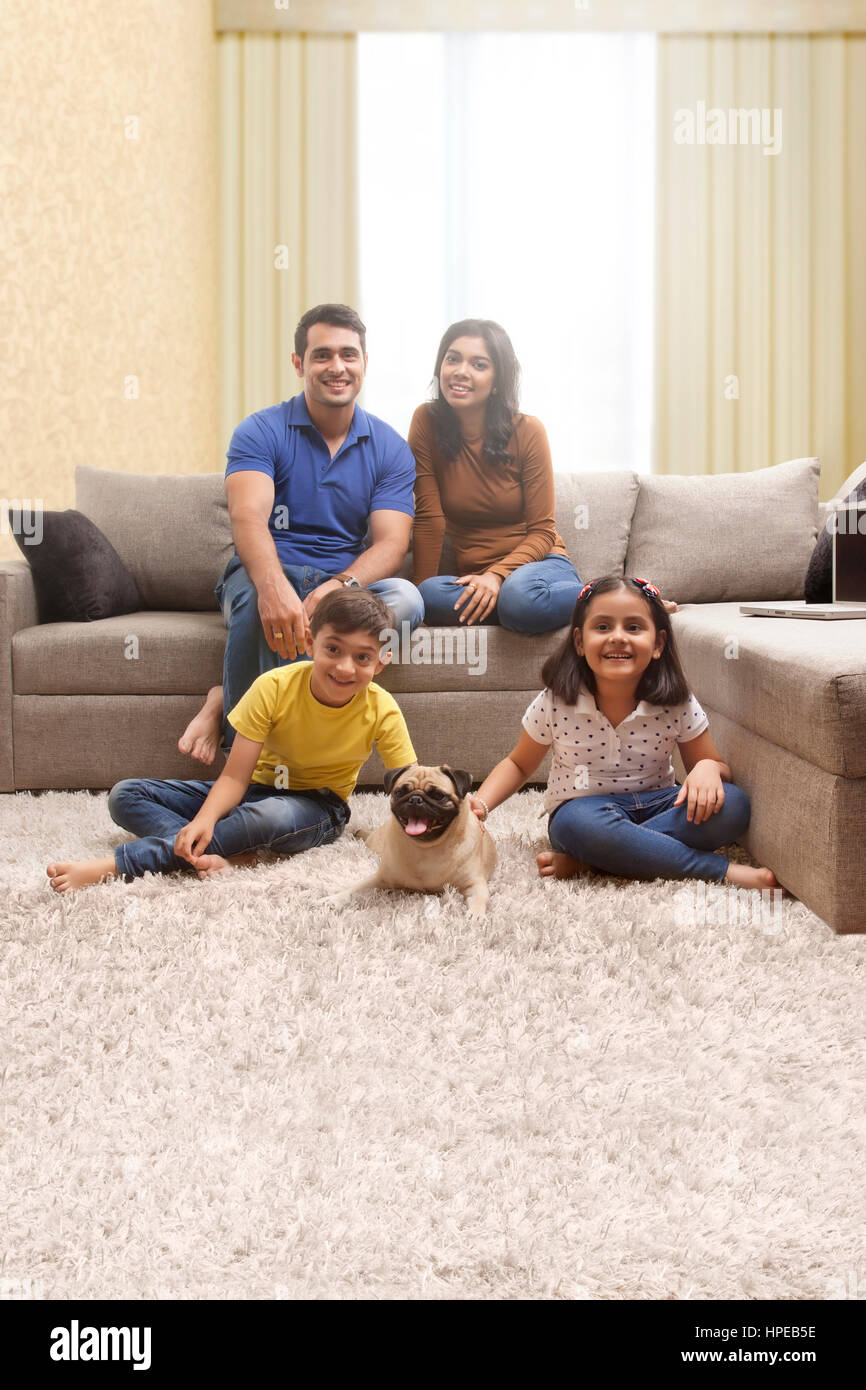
(501,407)
(662,683)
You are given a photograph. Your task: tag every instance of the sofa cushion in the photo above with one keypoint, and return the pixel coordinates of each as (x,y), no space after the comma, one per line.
(799,683)
(711,539)
(78,576)
(594,516)
(482,658)
(138,654)
(172,531)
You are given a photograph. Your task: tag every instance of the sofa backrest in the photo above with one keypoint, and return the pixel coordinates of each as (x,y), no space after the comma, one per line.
(172,531)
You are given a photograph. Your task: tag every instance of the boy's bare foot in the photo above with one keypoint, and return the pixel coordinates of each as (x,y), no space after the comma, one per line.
(201,737)
(210,865)
(552,864)
(80,873)
(747,877)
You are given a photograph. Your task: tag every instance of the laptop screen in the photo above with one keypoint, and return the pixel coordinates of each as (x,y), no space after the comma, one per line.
(849,554)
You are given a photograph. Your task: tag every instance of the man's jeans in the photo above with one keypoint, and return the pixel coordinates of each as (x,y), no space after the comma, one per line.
(642,834)
(247,654)
(537,597)
(284,822)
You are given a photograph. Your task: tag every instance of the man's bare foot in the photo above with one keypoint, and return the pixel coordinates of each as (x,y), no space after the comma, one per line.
(80,873)
(552,864)
(201,737)
(747,877)
(211,865)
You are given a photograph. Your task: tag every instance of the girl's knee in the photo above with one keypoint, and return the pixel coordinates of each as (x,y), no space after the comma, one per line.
(737,810)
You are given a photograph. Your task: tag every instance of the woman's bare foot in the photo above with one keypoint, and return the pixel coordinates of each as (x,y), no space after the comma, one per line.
(747,877)
(669,605)
(80,873)
(201,737)
(211,865)
(552,864)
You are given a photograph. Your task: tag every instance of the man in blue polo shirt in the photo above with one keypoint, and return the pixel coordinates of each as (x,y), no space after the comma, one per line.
(305,481)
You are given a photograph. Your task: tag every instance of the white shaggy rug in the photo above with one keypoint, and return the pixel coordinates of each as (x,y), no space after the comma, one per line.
(224,1090)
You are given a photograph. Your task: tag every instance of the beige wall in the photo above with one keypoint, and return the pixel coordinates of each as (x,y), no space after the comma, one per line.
(108,245)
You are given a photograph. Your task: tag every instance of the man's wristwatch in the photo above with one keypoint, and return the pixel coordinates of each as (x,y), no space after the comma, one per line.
(347,580)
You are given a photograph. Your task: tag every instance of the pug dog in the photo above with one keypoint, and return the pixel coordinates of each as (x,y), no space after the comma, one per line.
(432,837)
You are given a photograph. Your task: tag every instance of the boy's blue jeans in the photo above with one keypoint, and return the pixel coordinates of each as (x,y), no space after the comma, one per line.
(643,835)
(247,654)
(537,597)
(284,822)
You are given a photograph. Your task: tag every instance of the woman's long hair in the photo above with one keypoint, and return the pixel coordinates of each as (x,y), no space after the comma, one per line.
(501,407)
(662,683)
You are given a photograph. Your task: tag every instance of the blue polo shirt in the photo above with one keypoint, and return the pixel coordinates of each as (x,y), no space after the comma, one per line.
(322,505)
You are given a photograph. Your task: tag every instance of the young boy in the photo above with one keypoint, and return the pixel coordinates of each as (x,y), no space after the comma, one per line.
(302,734)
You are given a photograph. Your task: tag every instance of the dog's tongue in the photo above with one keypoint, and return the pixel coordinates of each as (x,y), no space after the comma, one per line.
(415,827)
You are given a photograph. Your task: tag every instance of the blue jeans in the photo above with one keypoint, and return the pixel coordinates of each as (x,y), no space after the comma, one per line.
(537,597)
(247,654)
(282,821)
(642,834)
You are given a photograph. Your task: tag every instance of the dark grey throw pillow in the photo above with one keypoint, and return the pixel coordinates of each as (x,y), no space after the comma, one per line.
(77,573)
(818,587)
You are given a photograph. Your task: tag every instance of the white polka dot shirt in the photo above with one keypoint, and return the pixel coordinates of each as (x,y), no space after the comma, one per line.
(592,758)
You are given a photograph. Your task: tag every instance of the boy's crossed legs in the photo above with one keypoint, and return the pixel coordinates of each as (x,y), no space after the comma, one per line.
(284,822)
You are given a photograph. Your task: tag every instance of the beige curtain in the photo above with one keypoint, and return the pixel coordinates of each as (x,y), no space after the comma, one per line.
(761,272)
(288,202)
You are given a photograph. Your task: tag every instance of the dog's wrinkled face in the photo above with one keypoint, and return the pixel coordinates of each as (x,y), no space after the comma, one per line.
(425,800)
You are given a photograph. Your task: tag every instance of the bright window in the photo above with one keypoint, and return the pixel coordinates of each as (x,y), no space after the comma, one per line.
(510,176)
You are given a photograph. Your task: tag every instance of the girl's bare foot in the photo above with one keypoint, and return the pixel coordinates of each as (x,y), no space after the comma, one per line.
(80,873)
(747,877)
(210,865)
(201,737)
(552,864)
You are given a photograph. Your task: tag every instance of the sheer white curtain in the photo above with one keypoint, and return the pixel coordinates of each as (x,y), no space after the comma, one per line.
(510,176)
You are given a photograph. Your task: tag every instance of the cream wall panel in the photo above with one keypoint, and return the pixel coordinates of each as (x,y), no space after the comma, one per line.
(108,245)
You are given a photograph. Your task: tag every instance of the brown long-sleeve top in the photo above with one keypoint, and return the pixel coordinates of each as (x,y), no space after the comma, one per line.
(498,515)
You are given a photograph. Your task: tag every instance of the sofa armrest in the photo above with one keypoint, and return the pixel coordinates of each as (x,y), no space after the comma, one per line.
(18,609)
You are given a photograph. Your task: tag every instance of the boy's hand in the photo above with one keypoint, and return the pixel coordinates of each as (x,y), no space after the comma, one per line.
(705,791)
(193,839)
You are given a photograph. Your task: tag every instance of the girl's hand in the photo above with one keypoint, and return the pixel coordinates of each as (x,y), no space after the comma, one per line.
(193,839)
(481,591)
(705,791)
(476,806)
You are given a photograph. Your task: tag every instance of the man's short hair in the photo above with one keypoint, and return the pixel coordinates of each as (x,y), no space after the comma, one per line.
(353,610)
(338,315)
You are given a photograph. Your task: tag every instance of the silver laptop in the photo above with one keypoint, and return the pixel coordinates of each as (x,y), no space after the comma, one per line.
(848,528)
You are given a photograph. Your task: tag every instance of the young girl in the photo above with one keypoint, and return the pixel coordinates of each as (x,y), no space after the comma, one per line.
(616,701)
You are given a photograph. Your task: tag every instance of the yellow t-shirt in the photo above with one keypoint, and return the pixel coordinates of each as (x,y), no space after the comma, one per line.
(320,746)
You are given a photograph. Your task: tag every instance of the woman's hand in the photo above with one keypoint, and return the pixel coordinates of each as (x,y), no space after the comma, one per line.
(193,839)
(705,791)
(480,594)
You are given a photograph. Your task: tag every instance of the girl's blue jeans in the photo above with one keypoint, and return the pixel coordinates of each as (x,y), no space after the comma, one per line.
(537,597)
(643,835)
(284,822)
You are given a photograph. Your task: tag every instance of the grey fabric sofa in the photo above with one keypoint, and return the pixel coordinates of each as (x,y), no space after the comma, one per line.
(85,705)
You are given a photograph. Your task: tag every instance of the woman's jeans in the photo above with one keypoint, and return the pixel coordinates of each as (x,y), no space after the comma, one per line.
(284,822)
(537,597)
(643,835)
(247,654)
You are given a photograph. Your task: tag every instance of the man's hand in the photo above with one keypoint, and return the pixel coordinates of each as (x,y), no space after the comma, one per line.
(705,791)
(284,620)
(193,839)
(315,595)
(479,594)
